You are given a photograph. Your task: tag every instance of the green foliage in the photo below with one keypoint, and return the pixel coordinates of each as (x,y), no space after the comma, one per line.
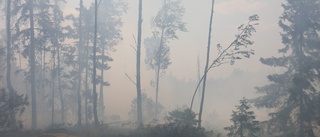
(108,34)
(166,24)
(238,49)
(169,20)
(183,115)
(294,94)
(171,130)
(244,123)
(181,122)
(153,59)
(19,106)
(148,109)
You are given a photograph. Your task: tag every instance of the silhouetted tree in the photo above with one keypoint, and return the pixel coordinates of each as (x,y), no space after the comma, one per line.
(243,120)
(94,77)
(237,50)
(294,94)
(34,31)
(181,123)
(32,66)
(166,24)
(80,46)
(5,112)
(58,38)
(109,35)
(138,77)
(9,57)
(206,67)
(183,115)
(148,107)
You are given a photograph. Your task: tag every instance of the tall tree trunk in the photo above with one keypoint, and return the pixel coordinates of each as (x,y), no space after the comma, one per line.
(199,76)
(101,100)
(158,73)
(9,85)
(157,90)
(138,85)
(95,114)
(206,68)
(32,69)
(58,67)
(79,63)
(43,83)
(53,87)
(241,129)
(302,131)
(86,85)
(59,87)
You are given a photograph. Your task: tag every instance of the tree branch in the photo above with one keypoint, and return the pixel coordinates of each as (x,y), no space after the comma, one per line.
(218,61)
(130,79)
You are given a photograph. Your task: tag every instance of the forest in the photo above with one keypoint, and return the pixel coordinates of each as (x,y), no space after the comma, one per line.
(166,68)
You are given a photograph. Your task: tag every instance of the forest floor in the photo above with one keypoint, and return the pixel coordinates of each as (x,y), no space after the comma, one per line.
(86,131)
(34,134)
(39,133)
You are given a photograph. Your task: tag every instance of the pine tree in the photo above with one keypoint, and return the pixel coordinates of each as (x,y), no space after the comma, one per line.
(244,123)
(148,107)
(293,94)
(109,35)
(80,46)
(34,31)
(94,77)
(18,108)
(9,58)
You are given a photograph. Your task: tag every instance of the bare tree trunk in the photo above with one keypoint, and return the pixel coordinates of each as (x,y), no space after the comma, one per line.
(86,85)
(157,90)
(206,68)
(53,88)
(58,69)
(43,85)
(80,68)
(199,77)
(139,101)
(32,69)
(59,87)
(9,85)
(95,114)
(158,73)
(101,100)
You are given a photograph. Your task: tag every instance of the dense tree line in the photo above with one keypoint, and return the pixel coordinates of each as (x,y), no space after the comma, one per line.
(65,56)
(37,33)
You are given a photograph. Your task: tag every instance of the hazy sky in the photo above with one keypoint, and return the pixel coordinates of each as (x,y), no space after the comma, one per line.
(229,14)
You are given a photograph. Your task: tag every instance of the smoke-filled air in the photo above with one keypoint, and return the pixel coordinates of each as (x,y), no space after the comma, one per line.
(159,68)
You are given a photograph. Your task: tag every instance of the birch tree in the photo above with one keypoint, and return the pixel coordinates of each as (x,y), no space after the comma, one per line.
(237,50)
(166,24)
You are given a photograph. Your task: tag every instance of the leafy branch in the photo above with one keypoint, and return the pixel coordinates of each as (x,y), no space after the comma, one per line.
(236,50)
